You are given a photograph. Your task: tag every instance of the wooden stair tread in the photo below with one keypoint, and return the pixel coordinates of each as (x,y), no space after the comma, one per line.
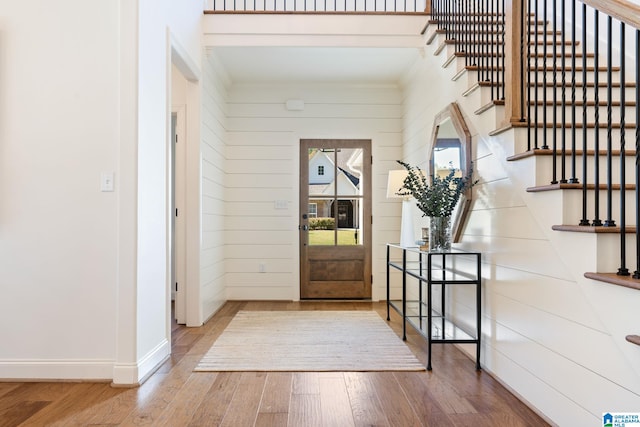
(633,339)
(570,186)
(615,279)
(592,229)
(488,106)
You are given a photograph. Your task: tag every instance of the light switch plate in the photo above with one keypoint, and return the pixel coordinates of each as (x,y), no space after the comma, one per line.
(106,181)
(281,204)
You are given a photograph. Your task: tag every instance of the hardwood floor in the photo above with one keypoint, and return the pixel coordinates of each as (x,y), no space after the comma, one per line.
(453,394)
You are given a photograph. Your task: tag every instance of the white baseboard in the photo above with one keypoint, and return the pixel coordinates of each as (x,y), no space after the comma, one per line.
(132,374)
(57,369)
(124,374)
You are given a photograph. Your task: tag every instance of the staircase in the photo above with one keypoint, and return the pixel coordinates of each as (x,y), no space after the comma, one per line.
(568,100)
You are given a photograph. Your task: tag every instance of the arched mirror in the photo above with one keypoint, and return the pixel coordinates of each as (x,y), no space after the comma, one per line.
(451,148)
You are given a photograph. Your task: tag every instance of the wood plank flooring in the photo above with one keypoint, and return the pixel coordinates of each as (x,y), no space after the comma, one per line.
(453,394)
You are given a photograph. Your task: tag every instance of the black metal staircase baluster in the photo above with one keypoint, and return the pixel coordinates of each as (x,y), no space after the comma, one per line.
(544,77)
(534,125)
(574,179)
(554,84)
(585,220)
(609,222)
(474,29)
(461,36)
(495,76)
(492,25)
(465,33)
(636,273)
(447,30)
(563,102)
(468,32)
(623,270)
(485,44)
(502,43)
(596,142)
(524,56)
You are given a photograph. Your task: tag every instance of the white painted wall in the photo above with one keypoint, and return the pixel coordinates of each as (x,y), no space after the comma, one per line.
(262,167)
(84,91)
(58,248)
(162,25)
(542,335)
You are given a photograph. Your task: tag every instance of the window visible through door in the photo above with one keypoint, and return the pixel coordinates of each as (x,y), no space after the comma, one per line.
(335,218)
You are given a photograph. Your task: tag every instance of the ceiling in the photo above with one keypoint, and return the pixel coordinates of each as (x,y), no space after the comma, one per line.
(351,65)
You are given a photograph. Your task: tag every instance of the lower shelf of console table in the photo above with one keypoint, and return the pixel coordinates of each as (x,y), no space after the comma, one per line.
(423,271)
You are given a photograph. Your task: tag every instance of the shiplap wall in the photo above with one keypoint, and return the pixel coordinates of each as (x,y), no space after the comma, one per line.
(262,168)
(542,337)
(213,163)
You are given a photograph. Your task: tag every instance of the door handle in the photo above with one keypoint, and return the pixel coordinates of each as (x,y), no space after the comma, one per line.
(303,227)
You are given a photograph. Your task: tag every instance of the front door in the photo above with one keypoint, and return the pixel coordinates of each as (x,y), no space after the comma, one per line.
(335,219)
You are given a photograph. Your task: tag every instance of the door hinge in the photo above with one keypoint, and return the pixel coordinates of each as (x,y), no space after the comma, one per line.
(176,286)
(176,138)
(372,279)
(176,211)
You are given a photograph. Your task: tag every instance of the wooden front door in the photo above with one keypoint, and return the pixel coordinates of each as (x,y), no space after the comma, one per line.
(335,219)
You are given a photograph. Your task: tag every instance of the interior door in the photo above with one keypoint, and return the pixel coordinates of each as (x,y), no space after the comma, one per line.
(335,219)
(178,226)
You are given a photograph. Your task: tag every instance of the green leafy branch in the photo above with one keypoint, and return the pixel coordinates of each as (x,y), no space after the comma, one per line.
(439,197)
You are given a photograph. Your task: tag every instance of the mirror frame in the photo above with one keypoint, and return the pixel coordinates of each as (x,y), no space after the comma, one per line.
(461,212)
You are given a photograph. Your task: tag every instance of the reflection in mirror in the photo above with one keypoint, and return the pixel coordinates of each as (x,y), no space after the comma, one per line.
(451,148)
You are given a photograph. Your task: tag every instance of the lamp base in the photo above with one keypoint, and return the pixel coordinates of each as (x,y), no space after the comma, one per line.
(407,236)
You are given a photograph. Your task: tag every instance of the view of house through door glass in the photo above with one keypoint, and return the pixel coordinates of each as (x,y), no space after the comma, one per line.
(335,219)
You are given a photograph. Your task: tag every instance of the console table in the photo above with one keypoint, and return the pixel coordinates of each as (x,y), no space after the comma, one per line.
(426,270)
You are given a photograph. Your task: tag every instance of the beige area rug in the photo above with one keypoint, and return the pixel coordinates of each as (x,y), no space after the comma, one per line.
(309,341)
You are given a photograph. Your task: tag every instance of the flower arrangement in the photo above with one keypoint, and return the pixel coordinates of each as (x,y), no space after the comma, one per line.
(439,197)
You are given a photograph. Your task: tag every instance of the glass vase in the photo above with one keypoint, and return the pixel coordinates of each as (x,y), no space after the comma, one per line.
(440,234)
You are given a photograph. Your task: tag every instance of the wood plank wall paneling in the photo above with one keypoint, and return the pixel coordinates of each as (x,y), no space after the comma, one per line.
(541,336)
(212,274)
(261,167)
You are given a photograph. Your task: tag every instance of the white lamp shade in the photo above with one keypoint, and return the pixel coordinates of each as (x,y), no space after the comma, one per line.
(395,182)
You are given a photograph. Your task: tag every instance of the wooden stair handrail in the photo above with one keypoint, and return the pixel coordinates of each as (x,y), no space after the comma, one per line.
(622,10)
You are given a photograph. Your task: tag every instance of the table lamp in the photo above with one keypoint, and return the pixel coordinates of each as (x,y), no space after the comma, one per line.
(395,183)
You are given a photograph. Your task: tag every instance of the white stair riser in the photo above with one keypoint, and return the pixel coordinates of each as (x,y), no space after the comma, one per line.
(602,93)
(596,252)
(521,142)
(602,77)
(572,206)
(544,171)
(629,111)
